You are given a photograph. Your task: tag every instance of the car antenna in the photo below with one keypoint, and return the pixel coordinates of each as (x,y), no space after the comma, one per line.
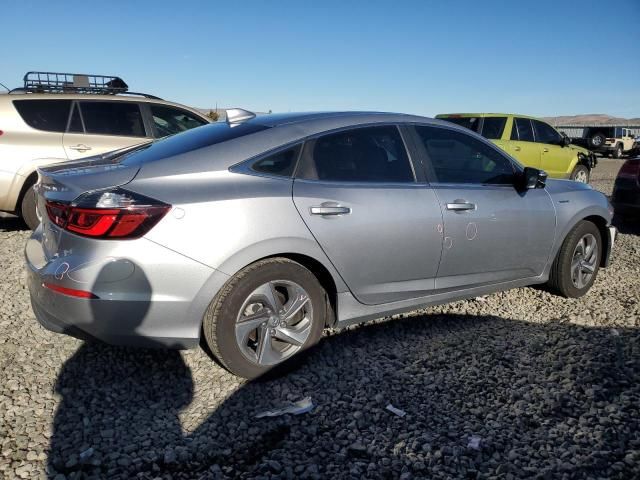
(5,87)
(238,115)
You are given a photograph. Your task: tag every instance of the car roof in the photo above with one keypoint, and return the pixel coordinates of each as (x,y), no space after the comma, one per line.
(95,97)
(463,115)
(313,122)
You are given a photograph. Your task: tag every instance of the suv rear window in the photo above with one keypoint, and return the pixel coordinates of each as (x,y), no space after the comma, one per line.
(492,127)
(472,123)
(193,139)
(112,118)
(47,115)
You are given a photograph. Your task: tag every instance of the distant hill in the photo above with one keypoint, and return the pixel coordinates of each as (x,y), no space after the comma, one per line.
(591,119)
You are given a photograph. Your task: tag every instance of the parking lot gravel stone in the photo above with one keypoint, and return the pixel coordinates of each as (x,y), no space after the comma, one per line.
(547,387)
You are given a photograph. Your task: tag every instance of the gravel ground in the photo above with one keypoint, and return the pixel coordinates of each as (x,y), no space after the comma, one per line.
(546,387)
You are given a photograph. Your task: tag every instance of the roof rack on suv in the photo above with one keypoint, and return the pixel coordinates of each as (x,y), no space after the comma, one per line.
(55,82)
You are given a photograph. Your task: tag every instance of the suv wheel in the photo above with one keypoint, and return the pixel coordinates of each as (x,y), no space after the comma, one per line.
(617,153)
(28,208)
(267,313)
(597,140)
(576,266)
(580,174)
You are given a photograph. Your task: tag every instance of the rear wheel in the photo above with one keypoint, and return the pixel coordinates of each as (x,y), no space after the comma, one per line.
(267,313)
(617,153)
(28,208)
(576,266)
(580,174)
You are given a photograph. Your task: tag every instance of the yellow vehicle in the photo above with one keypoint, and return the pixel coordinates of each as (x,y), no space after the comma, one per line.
(531,141)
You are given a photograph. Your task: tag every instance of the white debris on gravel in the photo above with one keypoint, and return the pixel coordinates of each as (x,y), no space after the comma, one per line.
(542,380)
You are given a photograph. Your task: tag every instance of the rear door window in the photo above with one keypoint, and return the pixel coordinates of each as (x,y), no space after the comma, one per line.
(171,120)
(47,115)
(522,130)
(546,133)
(492,127)
(368,154)
(112,118)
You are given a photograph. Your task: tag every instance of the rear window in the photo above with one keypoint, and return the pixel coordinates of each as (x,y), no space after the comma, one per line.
(194,139)
(112,118)
(492,127)
(472,123)
(47,115)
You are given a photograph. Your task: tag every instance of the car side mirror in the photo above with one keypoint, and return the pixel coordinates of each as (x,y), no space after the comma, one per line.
(566,141)
(533,178)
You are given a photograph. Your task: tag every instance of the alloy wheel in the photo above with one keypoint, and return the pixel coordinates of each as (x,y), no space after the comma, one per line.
(274,322)
(583,263)
(581,176)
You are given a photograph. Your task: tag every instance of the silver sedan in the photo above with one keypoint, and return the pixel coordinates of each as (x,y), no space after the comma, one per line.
(259,232)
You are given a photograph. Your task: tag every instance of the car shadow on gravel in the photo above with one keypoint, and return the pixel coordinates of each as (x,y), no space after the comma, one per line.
(543,400)
(12,224)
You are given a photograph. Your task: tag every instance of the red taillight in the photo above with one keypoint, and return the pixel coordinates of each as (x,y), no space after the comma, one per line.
(109,214)
(72,292)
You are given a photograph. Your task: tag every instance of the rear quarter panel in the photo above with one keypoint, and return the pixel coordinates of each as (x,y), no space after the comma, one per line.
(229,220)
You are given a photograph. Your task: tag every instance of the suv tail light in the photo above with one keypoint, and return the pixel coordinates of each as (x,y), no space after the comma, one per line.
(108,214)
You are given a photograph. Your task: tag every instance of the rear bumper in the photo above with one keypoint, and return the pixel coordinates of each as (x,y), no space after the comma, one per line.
(147,303)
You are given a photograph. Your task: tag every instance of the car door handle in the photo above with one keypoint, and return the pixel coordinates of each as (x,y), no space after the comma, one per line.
(517,149)
(81,147)
(545,150)
(460,206)
(326,210)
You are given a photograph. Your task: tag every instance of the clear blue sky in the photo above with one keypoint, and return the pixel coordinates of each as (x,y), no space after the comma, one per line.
(426,57)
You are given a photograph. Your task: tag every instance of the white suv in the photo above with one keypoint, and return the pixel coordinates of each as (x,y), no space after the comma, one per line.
(44,123)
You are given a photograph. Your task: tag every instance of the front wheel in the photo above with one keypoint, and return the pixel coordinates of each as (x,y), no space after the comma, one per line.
(576,266)
(267,313)
(580,174)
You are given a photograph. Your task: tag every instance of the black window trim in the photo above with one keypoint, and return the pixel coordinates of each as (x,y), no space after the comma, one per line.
(430,171)
(309,140)
(100,100)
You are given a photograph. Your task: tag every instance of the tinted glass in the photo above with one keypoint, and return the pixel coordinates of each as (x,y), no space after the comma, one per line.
(524,130)
(48,115)
(545,133)
(371,154)
(75,125)
(169,120)
(281,163)
(472,123)
(492,127)
(459,158)
(113,118)
(192,140)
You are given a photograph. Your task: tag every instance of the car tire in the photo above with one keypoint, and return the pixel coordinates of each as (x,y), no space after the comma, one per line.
(581,174)
(28,208)
(249,344)
(597,140)
(576,266)
(617,153)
